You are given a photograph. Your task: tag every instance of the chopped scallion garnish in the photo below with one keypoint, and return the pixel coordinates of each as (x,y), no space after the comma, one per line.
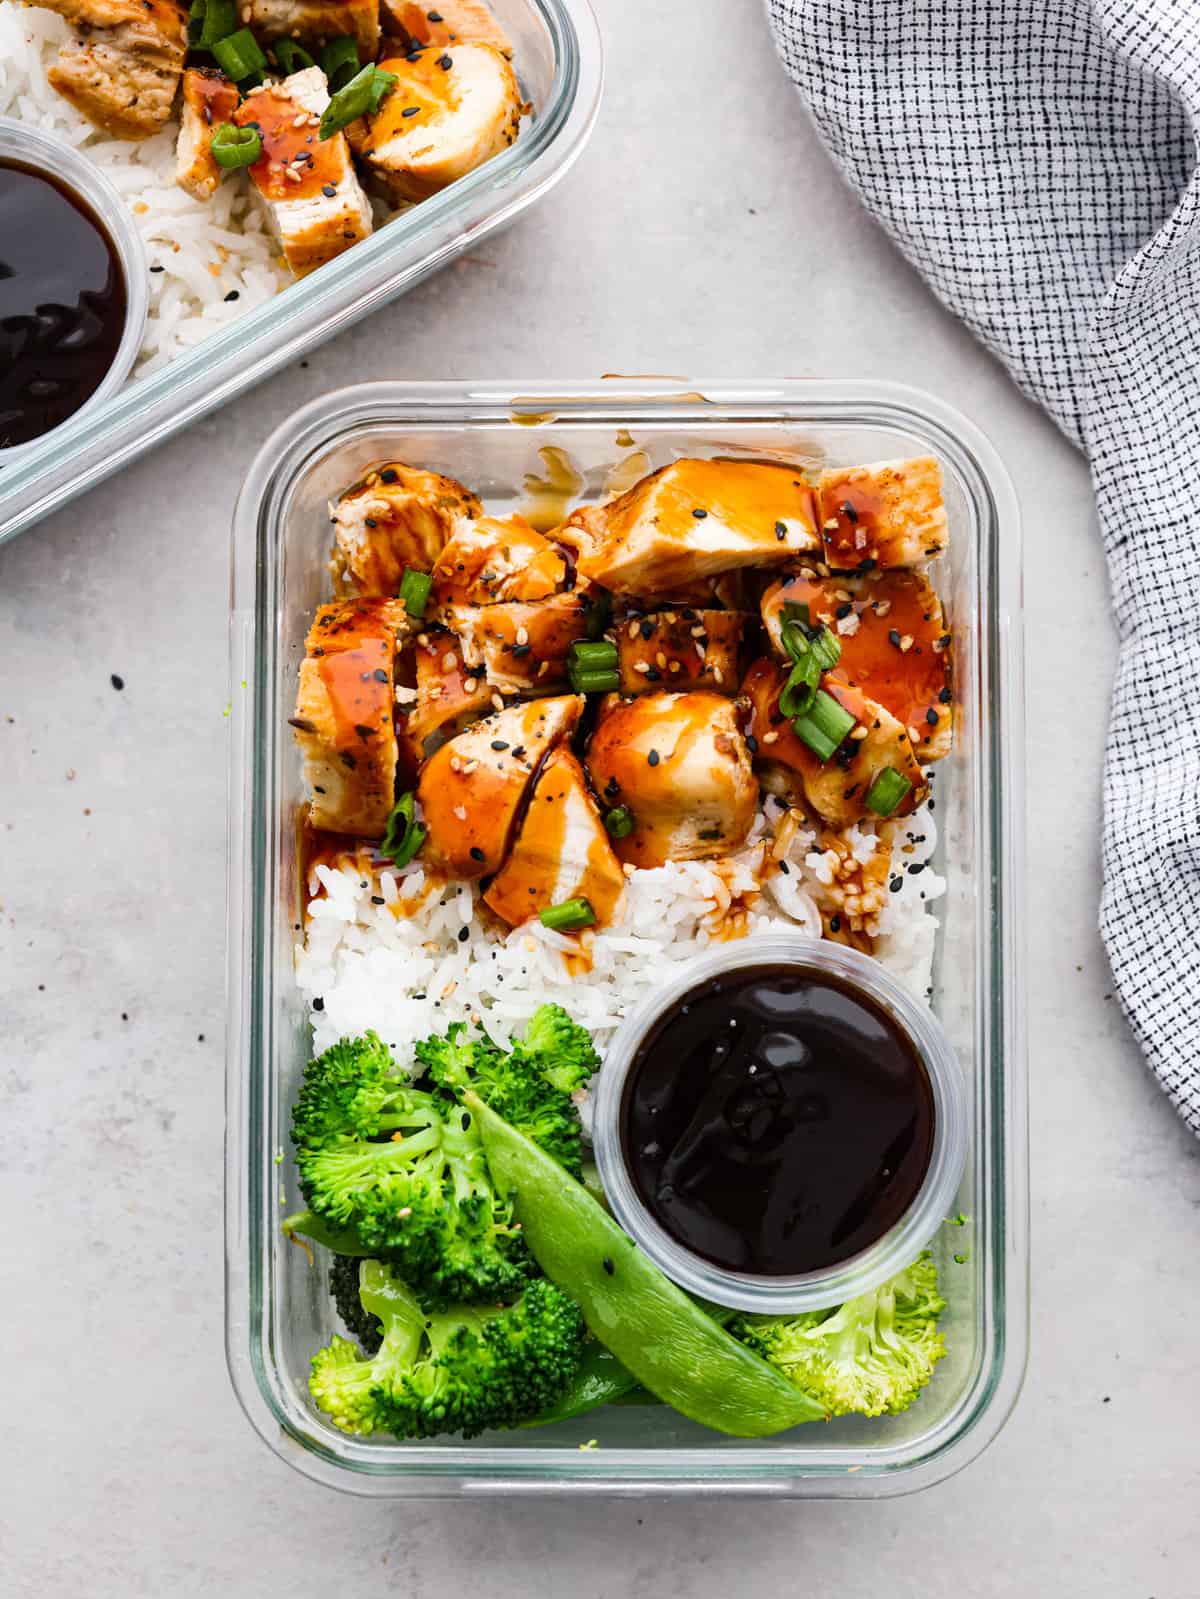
(403,836)
(826,649)
(382,85)
(887,791)
(239,56)
(355,99)
(414,591)
(824,725)
(292,56)
(339,61)
(619,821)
(232,146)
(220,20)
(592,655)
(584,681)
(568,917)
(801,687)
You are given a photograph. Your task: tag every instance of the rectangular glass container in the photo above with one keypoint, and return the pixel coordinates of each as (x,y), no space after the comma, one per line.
(557,54)
(494,438)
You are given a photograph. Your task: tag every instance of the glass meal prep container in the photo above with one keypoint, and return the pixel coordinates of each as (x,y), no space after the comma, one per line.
(557,54)
(494,437)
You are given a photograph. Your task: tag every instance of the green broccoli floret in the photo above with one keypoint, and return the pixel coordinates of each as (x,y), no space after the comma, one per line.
(872,1354)
(403,1173)
(531,1086)
(343,1286)
(465,1370)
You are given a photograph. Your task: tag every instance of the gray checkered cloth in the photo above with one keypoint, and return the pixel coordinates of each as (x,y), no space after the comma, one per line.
(1036,161)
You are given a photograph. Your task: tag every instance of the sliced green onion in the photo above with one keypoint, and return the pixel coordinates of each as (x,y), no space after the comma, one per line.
(239,56)
(599,614)
(403,836)
(195,27)
(382,85)
(595,656)
(797,611)
(824,725)
(339,61)
(352,100)
(592,681)
(232,146)
(414,591)
(292,56)
(801,687)
(220,20)
(619,821)
(887,791)
(826,648)
(568,917)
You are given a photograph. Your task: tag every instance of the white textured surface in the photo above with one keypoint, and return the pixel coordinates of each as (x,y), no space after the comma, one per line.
(702,231)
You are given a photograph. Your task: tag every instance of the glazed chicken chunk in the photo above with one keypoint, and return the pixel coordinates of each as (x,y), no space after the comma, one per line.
(472,790)
(561,851)
(680,649)
(521,649)
(306,185)
(209,99)
(690,521)
(396,518)
(446,115)
(448,696)
(894,643)
(679,764)
(835,789)
(887,514)
(315,22)
(344,714)
(454,22)
(123,67)
(489,559)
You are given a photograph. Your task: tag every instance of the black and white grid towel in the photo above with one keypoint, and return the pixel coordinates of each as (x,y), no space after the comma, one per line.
(1037,161)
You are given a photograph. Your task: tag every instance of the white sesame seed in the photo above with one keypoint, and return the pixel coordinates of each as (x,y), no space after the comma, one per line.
(455,764)
(906,643)
(471,684)
(461,812)
(859,732)
(449,661)
(522,635)
(882,607)
(497,702)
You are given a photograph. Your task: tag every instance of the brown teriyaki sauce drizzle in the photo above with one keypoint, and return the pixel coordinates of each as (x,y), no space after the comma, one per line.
(62,303)
(777,1121)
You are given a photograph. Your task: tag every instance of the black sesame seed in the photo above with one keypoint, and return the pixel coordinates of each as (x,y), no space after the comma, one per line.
(785,868)
(752,743)
(477,854)
(318,1003)
(781,531)
(117,682)
(896,884)
(389,474)
(647,630)
(917,866)
(377,899)
(410,111)
(868,565)
(520,649)
(499,744)
(371,522)
(231,296)
(157,269)
(463,934)
(518,751)
(434,16)
(945,696)
(835,924)
(849,512)
(380,675)
(608,1265)
(843,610)
(329,190)
(699,514)
(653,757)
(445,62)
(931,716)
(894,637)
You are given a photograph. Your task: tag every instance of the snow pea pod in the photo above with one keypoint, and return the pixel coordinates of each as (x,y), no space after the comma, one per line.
(599,1380)
(670,1345)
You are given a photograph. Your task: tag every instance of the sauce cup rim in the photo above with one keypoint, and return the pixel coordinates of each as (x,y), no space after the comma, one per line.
(47,152)
(900,1245)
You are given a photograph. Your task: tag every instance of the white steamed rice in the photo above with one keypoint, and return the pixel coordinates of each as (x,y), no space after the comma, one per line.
(209,261)
(363,966)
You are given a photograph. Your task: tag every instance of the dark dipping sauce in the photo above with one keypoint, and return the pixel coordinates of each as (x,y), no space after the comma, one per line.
(62,303)
(777,1121)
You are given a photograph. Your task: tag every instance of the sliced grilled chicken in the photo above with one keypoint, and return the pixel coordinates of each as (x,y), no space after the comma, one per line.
(561,851)
(679,763)
(447,114)
(680,649)
(396,518)
(521,648)
(344,714)
(894,643)
(887,514)
(315,22)
(690,521)
(455,22)
(307,185)
(472,790)
(492,558)
(448,696)
(209,99)
(835,789)
(122,69)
